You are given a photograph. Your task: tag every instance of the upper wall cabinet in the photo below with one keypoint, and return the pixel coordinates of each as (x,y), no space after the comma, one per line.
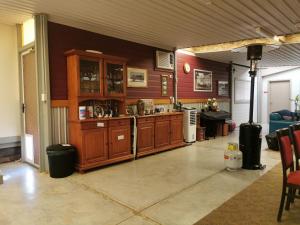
(115,78)
(95,75)
(90,81)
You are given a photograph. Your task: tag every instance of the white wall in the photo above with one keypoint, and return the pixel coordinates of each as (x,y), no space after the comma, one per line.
(9,86)
(273,70)
(240,111)
(292,75)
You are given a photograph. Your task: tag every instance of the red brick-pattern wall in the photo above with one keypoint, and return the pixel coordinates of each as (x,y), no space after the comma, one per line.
(220,72)
(63,38)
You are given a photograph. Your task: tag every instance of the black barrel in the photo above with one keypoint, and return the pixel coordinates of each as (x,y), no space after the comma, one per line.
(61,160)
(250,145)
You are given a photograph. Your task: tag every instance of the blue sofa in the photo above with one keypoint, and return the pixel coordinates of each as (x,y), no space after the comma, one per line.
(281,119)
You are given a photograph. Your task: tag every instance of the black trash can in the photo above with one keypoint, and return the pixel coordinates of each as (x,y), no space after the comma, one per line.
(61,160)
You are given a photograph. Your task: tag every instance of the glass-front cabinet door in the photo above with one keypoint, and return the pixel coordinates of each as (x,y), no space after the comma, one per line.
(90,82)
(115,78)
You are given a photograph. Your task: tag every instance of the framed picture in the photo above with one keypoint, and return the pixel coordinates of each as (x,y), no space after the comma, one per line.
(137,77)
(202,80)
(223,88)
(164,85)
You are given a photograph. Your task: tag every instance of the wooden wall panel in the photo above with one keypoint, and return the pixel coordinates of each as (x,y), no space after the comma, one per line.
(63,38)
(219,70)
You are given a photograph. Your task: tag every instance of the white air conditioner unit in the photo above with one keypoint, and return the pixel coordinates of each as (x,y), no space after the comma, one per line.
(189,125)
(164,60)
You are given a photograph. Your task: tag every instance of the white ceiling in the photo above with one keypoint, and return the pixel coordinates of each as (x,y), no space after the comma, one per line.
(170,23)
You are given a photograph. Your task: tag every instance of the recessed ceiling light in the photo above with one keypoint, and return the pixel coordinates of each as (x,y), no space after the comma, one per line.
(297,26)
(206,2)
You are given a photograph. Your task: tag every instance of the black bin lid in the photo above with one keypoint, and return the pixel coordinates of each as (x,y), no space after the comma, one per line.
(60,149)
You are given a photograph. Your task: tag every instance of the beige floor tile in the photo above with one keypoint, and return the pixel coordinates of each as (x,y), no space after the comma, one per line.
(138,220)
(146,181)
(28,197)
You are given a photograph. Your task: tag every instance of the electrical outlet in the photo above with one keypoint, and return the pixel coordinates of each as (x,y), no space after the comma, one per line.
(43,97)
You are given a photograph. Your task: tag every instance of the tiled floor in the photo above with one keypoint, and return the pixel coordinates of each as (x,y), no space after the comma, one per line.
(175,187)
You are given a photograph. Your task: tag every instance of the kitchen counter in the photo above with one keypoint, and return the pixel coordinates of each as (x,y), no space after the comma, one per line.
(160,114)
(102,119)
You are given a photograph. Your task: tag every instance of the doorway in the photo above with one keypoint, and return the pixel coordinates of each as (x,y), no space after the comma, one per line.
(280,94)
(31,145)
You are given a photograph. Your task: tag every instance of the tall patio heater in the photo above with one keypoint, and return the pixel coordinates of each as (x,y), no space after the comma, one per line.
(250,133)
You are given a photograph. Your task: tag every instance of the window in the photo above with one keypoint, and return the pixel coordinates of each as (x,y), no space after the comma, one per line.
(28,32)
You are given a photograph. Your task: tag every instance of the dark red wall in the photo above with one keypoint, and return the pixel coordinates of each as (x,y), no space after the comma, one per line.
(220,71)
(63,38)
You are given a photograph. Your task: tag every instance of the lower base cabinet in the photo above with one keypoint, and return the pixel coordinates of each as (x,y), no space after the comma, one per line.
(100,142)
(145,140)
(119,141)
(95,145)
(176,127)
(162,132)
(159,133)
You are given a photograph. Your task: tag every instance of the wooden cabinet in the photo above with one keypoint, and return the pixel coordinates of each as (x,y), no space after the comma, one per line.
(115,78)
(119,138)
(95,145)
(89,75)
(159,133)
(95,75)
(162,133)
(145,139)
(102,145)
(176,135)
(97,83)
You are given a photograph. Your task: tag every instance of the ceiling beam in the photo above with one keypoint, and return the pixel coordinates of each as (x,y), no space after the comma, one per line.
(228,46)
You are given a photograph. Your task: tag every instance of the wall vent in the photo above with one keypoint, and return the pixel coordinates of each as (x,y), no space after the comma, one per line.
(165,60)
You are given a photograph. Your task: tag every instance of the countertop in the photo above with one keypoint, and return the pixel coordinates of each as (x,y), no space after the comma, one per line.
(160,114)
(127,117)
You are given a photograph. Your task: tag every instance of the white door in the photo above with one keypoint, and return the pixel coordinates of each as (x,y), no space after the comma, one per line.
(30,108)
(279,97)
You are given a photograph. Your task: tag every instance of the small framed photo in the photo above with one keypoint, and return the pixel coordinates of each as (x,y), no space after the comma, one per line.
(202,80)
(223,88)
(137,77)
(164,85)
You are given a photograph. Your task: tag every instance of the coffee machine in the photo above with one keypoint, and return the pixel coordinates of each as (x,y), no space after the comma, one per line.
(250,133)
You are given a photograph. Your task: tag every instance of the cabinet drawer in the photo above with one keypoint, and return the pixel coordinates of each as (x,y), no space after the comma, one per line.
(162,118)
(176,117)
(145,120)
(93,125)
(122,122)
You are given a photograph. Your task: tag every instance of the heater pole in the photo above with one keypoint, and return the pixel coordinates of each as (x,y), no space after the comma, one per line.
(252,75)
(251,100)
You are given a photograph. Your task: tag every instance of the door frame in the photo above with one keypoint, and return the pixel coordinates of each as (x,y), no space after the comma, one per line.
(23,51)
(269,93)
(43,85)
